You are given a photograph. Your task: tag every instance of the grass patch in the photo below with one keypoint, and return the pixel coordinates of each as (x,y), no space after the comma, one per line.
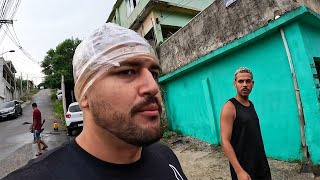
(28,96)
(167,132)
(57,108)
(53,95)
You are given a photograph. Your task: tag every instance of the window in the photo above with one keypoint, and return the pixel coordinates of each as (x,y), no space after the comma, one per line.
(131,4)
(74,108)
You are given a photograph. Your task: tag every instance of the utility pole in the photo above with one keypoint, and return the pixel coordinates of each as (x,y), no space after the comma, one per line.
(63,95)
(15,88)
(27,84)
(21,94)
(72,97)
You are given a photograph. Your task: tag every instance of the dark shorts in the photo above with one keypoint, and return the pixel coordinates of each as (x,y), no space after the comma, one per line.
(37,134)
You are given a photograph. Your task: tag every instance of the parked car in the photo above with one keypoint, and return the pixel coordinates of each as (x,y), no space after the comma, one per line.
(10,109)
(59,94)
(74,119)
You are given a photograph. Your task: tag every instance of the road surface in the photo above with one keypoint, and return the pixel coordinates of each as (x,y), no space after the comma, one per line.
(16,142)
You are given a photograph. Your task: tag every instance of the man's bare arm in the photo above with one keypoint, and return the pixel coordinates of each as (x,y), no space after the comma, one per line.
(33,123)
(227,117)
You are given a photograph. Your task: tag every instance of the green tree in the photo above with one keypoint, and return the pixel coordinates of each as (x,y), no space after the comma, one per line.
(58,62)
(24,84)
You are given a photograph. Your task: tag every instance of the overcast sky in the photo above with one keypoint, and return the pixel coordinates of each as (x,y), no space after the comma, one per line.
(42,24)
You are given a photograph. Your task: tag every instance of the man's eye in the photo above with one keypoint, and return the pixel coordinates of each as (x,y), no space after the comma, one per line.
(127,72)
(155,75)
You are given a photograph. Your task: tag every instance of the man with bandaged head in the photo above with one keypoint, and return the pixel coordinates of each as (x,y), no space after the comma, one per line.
(115,72)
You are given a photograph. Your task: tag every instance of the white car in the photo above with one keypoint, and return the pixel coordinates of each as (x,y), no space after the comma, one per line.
(59,94)
(74,119)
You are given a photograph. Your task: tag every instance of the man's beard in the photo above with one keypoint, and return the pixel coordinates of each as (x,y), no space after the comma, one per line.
(123,126)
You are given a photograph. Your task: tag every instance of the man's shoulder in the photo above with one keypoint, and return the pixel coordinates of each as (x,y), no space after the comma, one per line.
(158,147)
(164,158)
(44,164)
(228,107)
(36,111)
(56,153)
(161,150)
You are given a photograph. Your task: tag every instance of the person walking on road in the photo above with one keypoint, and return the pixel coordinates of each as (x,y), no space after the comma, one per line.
(37,126)
(240,132)
(115,73)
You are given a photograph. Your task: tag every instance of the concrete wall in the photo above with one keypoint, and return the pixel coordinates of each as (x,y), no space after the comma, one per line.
(312,4)
(9,94)
(217,26)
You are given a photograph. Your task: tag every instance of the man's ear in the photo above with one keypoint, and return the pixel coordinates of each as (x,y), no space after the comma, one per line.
(84,102)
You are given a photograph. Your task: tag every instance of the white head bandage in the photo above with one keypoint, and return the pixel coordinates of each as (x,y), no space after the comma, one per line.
(104,48)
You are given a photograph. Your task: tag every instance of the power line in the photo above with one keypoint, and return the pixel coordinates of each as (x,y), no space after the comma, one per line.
(5,12)
(17,43)
(15,33)
(11,37)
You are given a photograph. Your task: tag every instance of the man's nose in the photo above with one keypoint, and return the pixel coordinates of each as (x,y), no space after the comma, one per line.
(149,86)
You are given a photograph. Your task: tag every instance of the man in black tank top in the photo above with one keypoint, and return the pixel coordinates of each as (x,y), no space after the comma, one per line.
(240,132)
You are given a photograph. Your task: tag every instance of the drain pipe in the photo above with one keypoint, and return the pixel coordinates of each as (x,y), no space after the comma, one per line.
(298,97)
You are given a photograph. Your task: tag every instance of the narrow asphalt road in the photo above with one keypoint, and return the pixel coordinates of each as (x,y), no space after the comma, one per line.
(16,142)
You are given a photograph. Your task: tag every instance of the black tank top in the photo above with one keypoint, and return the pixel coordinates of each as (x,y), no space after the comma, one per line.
(247,143)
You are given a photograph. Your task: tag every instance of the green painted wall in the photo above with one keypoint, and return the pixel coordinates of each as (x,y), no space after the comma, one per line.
(304,43)
(123,14)
(127,19)
(194,100)
(120,15)
(137,10)
(172,19)
(188,4)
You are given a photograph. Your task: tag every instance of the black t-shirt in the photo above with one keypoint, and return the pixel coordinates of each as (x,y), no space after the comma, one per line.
(247,142)
(70,161)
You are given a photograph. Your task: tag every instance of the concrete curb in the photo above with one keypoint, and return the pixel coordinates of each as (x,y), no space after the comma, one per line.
(25,104)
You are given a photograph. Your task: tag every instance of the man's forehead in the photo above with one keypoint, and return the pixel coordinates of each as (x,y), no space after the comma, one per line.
(244,75)
(143,62)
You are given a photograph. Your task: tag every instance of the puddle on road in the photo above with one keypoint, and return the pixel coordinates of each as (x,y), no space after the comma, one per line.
(51,133)
(21,138)
(26,123)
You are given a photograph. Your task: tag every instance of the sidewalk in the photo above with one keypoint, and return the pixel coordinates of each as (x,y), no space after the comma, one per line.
(24,104)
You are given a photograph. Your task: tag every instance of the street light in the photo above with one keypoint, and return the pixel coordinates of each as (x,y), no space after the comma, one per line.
(7,51)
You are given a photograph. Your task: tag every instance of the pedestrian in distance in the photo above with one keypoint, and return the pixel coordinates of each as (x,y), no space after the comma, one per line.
(37,128)
(240,132)
(115,73)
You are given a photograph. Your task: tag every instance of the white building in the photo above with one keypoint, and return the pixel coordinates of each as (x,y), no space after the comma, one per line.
(7,81)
